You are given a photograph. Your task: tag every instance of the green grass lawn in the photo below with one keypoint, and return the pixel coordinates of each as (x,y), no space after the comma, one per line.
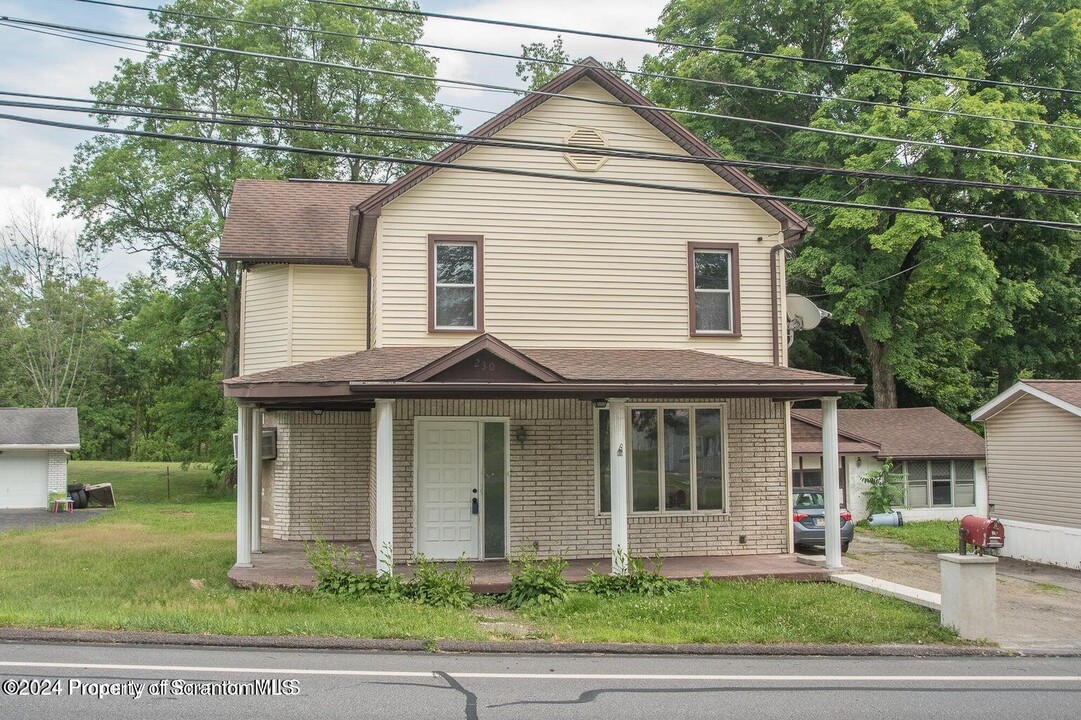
(160,563)
(928,536)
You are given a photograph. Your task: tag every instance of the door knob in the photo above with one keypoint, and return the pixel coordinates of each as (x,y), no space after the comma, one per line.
(476,507)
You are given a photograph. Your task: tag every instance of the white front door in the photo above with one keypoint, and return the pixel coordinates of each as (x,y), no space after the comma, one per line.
(448,483)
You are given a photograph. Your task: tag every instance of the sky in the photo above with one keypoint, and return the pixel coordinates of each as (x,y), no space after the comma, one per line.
(31,156)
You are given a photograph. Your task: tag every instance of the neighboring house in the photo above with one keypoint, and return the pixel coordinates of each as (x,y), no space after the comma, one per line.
(34,446)
(1034,469)
(467,364)
(941,462)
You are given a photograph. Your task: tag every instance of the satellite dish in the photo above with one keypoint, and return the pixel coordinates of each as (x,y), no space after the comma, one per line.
(803,315)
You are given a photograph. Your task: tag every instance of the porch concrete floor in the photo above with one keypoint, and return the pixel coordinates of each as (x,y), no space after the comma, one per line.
(283,564)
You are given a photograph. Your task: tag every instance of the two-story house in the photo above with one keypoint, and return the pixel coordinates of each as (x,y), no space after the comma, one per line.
(490,354)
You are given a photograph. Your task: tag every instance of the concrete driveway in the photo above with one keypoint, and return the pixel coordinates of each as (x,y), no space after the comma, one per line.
(34,519)
(1039,606)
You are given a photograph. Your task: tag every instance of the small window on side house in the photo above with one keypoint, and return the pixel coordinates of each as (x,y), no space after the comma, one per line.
(455,284)
(714,289)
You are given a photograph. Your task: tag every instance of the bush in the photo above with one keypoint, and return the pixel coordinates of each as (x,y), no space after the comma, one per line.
(882,493)
(440,587)
(536,582)
(430,584)
(637,581)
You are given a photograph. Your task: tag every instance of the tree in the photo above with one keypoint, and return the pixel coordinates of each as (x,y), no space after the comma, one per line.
(59,311)
(540,63)
(939,306)
(171,198)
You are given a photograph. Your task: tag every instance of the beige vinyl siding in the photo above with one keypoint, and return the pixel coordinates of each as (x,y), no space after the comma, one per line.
(573,264)
(1034,463)
(264,331)
(330,312)
(299,313)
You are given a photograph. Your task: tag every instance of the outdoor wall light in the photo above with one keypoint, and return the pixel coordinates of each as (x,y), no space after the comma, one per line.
(317,411)
(600,404)
(520,435)
(859,461)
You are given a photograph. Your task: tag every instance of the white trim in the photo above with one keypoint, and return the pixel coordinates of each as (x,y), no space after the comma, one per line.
(1051,544)
(436,284)
(731,296)
(1005,399)
(4,448)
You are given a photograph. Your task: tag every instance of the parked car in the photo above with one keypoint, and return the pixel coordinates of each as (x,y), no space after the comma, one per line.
(809,519)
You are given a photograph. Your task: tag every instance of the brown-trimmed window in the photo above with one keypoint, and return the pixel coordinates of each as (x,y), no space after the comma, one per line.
(455,283)
(713,280)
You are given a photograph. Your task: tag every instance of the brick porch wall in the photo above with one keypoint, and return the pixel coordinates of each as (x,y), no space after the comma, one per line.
(552,482)
(323,481)
(318,485)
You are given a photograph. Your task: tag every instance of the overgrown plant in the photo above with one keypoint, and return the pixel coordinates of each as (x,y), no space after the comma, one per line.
(438,586)
(882,492)
(430,583)
(536,582)
(637,580)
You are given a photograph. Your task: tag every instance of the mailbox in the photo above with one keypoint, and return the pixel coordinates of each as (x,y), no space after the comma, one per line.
(982,533)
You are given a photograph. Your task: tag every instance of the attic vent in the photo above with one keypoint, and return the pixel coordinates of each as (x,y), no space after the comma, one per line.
(586,138)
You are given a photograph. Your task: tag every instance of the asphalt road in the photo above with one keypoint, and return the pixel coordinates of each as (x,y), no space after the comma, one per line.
(84,681)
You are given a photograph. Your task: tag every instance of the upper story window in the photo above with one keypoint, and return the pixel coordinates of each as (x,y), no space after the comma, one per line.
(456,283)
(713,277)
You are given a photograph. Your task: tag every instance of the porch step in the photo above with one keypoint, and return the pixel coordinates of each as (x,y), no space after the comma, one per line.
(891,589)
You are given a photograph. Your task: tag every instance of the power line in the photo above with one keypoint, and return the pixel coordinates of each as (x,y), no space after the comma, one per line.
(159,112)
(488,87)
(1049,224)
(696,46)
(568,64)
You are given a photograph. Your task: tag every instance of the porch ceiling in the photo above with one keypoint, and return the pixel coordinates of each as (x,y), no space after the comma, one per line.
(506,372)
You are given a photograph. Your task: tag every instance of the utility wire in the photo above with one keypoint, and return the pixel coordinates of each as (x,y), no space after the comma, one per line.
(159,112)
(1049,224)
(488,87)
(566,63)
(696,46)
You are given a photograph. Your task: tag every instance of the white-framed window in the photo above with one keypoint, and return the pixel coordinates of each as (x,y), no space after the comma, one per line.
(939,483)
(676,459)
(456,283)
(713,274)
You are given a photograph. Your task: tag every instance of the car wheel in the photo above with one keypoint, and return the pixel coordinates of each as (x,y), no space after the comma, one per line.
(844,547)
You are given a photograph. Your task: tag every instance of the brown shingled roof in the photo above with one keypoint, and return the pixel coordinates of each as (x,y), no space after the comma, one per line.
(807,439)
(291,221)
(903,433)
(568,369)
(1065,390)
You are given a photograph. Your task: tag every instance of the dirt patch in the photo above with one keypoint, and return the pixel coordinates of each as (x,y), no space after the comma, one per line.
(1039,606)
(501,622)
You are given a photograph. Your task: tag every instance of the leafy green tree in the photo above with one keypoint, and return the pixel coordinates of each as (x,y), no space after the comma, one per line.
(170,198)
(540,63)
(943,307)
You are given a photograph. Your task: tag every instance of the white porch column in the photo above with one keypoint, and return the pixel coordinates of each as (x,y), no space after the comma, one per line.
(384,487)
(256,480)
(831,483)
(617,436)
(243,486)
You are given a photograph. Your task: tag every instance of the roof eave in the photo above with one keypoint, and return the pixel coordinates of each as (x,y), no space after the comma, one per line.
(1006,398)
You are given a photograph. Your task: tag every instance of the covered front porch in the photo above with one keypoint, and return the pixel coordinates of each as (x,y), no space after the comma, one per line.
(483,452)
(283,565)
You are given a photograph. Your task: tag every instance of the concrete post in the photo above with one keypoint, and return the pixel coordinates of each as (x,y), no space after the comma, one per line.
(617,435)
(256,480)
(384,487)
(968,595)
(243,487)
(831,489)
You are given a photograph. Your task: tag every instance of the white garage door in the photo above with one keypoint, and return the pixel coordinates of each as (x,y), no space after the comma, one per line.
(24,479)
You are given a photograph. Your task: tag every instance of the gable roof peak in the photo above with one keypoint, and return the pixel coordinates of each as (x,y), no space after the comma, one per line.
(362,235)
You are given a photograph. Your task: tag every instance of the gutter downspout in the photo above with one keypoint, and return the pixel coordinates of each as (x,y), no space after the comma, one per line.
(775,300)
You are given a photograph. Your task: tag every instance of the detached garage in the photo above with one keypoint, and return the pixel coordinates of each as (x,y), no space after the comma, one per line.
(34,446)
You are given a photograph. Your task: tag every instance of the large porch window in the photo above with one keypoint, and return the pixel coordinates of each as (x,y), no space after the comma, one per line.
(675,461)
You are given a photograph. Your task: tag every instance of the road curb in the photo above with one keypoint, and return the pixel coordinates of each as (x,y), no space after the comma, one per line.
(131,637)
